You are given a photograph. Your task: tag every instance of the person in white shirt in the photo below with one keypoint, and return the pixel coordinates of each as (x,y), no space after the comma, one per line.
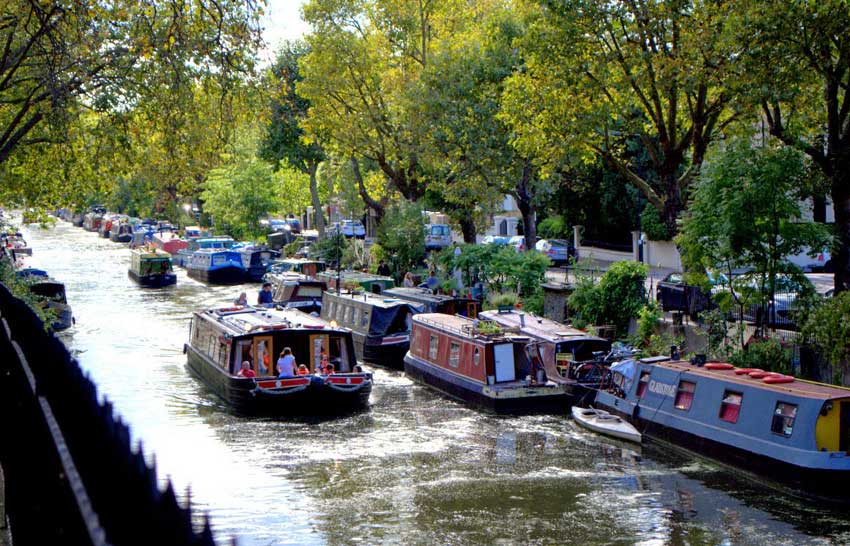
(286,364)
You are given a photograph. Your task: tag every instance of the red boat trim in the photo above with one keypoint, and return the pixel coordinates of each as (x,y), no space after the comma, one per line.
(283,383)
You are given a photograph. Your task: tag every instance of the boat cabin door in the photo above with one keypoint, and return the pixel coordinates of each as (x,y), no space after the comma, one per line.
(503,357)
(317,343)
(263,358)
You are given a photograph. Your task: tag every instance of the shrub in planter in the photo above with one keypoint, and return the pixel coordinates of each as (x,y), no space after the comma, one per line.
(769,355)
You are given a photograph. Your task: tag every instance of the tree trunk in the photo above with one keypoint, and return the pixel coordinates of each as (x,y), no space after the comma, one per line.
(841,204)
(524,201)
(318,215)
(672,203)
(364,194)
(467,227)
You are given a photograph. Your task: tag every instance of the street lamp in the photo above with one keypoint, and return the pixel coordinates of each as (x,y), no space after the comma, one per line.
(187,208)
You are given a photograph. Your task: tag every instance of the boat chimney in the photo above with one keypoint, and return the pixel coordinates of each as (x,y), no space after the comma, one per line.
(674,352)
(522,320)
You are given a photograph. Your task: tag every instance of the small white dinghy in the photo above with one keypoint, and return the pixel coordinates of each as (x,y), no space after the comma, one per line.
(604,423)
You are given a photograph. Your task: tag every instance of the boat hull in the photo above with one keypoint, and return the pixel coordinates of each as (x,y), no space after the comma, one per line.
(617,428)
(221,275)
(818,482)
(387,355)
(243,396)
(473,393)
(124,238)
(153,281)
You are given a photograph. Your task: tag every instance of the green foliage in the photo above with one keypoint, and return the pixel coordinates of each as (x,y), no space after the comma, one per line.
(402,235)
(651,224)
(648,321)
(331,249)
(501,299)
(20,288)
(377,253)
(533,303)
(827,328)
(501,267)
(554,227)
(768,355)
(618,296)
(659,344)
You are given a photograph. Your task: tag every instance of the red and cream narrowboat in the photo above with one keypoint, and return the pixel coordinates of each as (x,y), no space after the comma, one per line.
(222,339)
(482,365)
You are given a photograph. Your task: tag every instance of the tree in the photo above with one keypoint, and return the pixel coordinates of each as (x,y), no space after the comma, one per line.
(362,78)
(746,213)
(798,57)
(242,192)
(285,140)
(402,234)
(109,55)
(599,73)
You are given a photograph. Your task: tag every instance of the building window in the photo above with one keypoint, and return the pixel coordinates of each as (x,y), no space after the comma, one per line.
(476,356)
(685,395)
(454,355)
(433,346)
(783,419)
(642,383)
(731,406)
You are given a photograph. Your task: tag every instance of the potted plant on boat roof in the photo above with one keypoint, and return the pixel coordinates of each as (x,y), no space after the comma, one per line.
(352,287)
(488,328)
(503,302)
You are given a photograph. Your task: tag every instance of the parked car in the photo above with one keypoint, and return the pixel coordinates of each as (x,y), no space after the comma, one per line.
(349,228)
(674,295)
(437,236)
(495,240)
(810,261)
(781,306)
(518,242)
(558,250)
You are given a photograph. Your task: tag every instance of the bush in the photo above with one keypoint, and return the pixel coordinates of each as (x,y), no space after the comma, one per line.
(619,296)
(768,355)
(651,224)
(827,329)
(554,227)
(647,323)
(501,267)
(501,299)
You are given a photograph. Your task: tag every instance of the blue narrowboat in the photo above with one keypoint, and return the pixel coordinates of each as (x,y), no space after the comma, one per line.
(491,369)
(216,266)
(200,243)
(256,260)
(234,350)
(795,431)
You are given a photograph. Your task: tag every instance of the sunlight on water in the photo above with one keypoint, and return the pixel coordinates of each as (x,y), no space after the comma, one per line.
(415,469)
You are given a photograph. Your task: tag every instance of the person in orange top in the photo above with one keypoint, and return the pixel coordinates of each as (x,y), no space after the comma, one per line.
(246,370)
(302,370)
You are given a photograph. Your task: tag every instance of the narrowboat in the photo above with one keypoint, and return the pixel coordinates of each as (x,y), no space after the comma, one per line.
(170,242)
(796,432)
(293,266)
(122,232)
(222,339)
(15,243)
(51,296)
(199,243)
(490,369)
(428,302)
(151,267)
(77,219)
(298,292)
(92,221)
(106,224)
(366,281)
(195,232)
(216,266)
(568,354)
(380,326)
(256,260)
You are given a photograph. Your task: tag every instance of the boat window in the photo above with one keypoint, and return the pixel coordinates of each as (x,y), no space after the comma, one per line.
(340,312)
(476,356)
(263,354)
(783,419)
(330,309)
(685,395)
(310,291)
(433,346)
(731,406)
(364,319)
(350,316)
(642,383)
(454,355)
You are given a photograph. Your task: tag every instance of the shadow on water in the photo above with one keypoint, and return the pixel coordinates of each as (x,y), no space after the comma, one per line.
(414,469)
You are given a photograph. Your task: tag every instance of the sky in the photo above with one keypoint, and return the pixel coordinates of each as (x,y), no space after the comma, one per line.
(282,22)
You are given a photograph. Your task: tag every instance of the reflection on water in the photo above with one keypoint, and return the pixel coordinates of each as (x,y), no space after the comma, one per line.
(415,469)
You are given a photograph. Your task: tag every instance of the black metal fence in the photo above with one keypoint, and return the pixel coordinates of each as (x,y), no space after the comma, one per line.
(71,474)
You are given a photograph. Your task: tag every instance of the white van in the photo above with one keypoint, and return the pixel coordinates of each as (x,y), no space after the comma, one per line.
(437,236)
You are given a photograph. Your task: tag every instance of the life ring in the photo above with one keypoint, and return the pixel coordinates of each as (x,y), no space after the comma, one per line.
(744,371)
(774,379)
(229,309)
(758,375)
(719,366)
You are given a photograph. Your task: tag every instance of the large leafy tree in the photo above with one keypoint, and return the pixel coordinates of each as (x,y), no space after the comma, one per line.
(109,56)
(362,77)
(285,140)
(598,73)
(799,68)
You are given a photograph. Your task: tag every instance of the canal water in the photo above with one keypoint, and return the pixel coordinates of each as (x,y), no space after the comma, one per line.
(415,469)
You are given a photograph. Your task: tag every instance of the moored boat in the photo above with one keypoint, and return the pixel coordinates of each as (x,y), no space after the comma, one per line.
(51,295)
(603,422)
(151,267)
(121,232)
(216,266)
(296,291)
(428,302)
(366,281)
(222,339)
(795,431)
(181,258)
(489,369)
(170,242)
(256,261)
(380,326)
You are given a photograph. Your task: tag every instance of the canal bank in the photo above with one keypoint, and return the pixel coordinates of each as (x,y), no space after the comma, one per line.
(414,469)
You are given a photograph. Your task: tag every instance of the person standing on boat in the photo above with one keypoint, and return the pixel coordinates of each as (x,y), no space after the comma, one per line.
(286,364)
(242,300)
(408,280)
(265,296)
(383,269)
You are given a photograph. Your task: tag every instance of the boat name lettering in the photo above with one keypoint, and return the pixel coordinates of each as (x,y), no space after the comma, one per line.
(664,389)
